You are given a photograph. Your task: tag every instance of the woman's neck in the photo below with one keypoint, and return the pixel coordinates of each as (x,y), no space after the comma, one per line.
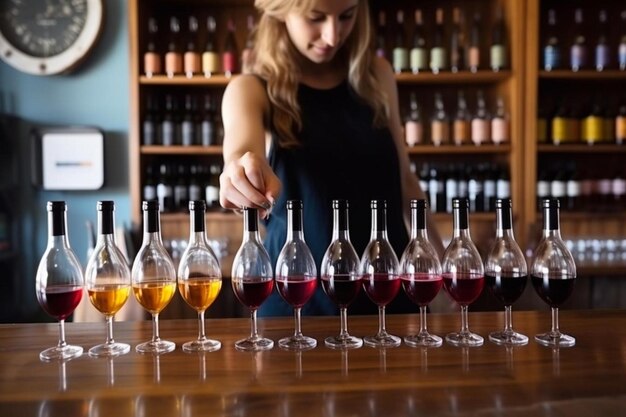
(322,76)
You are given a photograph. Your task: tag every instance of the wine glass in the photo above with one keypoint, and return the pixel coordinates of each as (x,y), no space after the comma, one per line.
(421,274)
(107,278)
(380,272)
(153,277)
(340,275)
(59,282)
(252,279)
(553,273)
(463,273)
(296,275)
(199,276)
(506,273)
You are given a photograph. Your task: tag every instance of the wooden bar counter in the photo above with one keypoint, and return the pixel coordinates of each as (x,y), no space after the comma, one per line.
(588,379)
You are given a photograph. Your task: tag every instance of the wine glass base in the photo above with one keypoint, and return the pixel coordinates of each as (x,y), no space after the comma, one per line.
(162,346)
(299,343)
(202,345)
(423,340)
(61,353)
(465,339)
(254,344)
(555,340)
(346,342)
(109,350)
(382,341)
(508,338)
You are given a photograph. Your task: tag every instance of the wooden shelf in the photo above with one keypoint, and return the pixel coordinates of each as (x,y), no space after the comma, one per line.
(608,75)
(181,150)
(581,148)
(215,80)
(458,149)
(448,77)
(479,217)
(576,216)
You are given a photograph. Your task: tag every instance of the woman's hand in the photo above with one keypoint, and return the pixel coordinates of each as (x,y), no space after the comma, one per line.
(248,181)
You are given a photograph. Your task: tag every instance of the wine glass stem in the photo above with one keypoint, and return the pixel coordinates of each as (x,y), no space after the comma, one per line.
(201,335)
(423,328)
(343,317)
(508,320)
(296,314)
(62,342)
(464,322)
(382,328)
(555,322)
(109,324)
(155,328)
(254,334)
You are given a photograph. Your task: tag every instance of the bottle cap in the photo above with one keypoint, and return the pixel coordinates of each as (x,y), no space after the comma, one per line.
(340,204)
(419,204)
(56,206)
(460,203)
(106,205)
(150,205)
(550,203)
(197,205)
(294,204)
(503,203)
(378,204)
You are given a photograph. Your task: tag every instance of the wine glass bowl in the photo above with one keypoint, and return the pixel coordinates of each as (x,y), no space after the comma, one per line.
(59,281)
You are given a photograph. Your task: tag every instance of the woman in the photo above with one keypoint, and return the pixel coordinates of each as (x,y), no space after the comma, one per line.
(318,120)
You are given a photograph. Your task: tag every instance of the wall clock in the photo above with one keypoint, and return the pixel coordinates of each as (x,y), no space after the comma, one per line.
(45,37)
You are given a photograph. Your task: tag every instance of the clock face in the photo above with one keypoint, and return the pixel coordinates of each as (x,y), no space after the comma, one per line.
(48,36)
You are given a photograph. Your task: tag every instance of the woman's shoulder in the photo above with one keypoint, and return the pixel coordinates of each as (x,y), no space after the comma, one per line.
(383,72)
(247,88)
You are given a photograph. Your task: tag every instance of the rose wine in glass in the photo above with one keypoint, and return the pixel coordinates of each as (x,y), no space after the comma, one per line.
(380,273)
(153,277)
(199,276)
(463,273)
(59,282)
(421,274)
(506,273)
(296,275)
(340,275)
(107,278)
(252,279)
(553,273)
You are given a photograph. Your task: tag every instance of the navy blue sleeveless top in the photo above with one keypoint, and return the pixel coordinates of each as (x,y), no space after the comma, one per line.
(341,156)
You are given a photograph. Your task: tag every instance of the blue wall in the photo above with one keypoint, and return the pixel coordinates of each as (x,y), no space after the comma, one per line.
(95,94)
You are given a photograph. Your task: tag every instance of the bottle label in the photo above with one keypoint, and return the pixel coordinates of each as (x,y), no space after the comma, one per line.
(542,130)
(551,58)
(212,194)
(207,133)
(543,188)
(149,192)
(460,132)
(578,57)
(168,131)
(149,133)
(503,189)
(557,189)
(586,187)
(462,187)
(620,128)
(490,188)
(499,130)
(559,130)
(210,63)
(440,132)
(414,133)
(151,64)
(602,57)
(194,192)
(188,133)
(173,64)
(473,58)
(229,62)
(400,59)
(618,187)
(572,188)
(497,57)
(604,186)
(622,55)
(419,59)
(191,62)
(592,129)
(424,186)
(480,131)
(437,59)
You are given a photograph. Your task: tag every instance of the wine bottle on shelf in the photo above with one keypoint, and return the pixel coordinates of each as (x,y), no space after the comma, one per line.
(189,122)
(149,127)
(498,54)
(413,127)
(578,51)
(603,55)
(618,190)
(451,187)
(542,123)
(462,182)
(572,188)
(438,50)
(381,35)
(500,124)
(210,57)
(552,47)
(604,189)
(503,183)
(191,59)
(247,50)
(174,57)
(400,51)
(424,179)
(480,121)
(439,126)
(543,187)
(476,191)
(562,125)
(229,52)
(558,185)
(194,191)
(461,123)
(181,189)
(621,49)
(207,124)
(473,51)
(457,43)
(418,54)
(620,123)
(164,189)
(436,190)
(587,186)
(213,187)
(169,125)
(152,58)
(593,124)
(149,191)
(489,186)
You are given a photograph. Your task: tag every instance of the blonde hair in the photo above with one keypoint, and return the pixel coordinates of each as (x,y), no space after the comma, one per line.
(275,60)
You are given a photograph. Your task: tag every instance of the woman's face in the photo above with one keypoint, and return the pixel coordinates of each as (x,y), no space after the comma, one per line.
(320,33)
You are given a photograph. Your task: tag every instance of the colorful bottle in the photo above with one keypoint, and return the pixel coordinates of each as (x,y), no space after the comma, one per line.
(473,52)
(578,51)
(552,48)
(174,56)
(229,52)
(152,58)
(438,50)
(191,59)
(498,59)
(480,121)
(418,54)
(500,124)
(413,127)
(210,57)
(439,126)
(400,51)
(457,43)
(603,55)
(461,123)
(593,125)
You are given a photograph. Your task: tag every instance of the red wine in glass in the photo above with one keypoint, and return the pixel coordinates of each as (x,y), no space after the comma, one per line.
(381,288)
(422,288)
(342,289)
(297,290)
(60,301)
(252,294)
(553,291)
(506,289)
(464,288)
